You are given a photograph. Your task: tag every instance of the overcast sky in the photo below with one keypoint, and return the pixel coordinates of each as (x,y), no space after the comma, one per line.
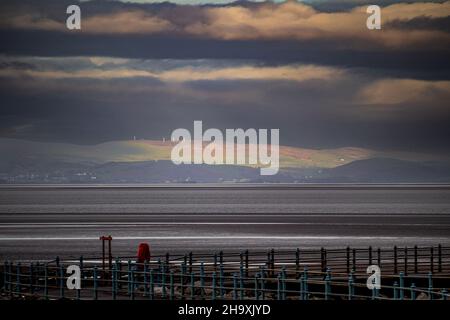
(311,69)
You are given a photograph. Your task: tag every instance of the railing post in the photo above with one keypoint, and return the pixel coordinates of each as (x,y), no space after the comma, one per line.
(18,285)
(327,287)
(354,260)
(152,285)
(297,261)
(190,262)
(379,257)
(113,281)
(5,276)
(163,281)
(350,288)
(94,278)
(439,258)
(305,283)
(131,280)
(401,285)
(413,291)
(272,253)
(46,281)
(221,290)
(213,285)
(192,285)
(279,287)
(263,276)
(431,259)
(145,278)
(234,286)
(31,278)
(202,280)
(256,286)
(182,276)
(241,283)
(61,282)
(406,261)
(322,259)
(370,255)
(430,285)
(129,276)
(348,259)
(395,290)
(172,286)
(300,282)
(395,259)
(246,263)
(415,260)
(444,294)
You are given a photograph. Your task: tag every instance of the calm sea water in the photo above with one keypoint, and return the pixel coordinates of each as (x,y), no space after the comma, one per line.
(42,222)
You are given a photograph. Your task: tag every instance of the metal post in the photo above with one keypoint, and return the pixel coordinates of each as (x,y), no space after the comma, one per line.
(132,283)
(354,260)
(5,276)
(379,257)
(370,255)
(234,286)
(279,287)
(401,285)
(94,278)
(145,278)
(256,287)
(172,286)
(272,253)
(300,296)
(61,282)
(18,285)
(395,290)
(213,281)
(246,263)
(327,287)
(305,283)
(31,278)
(163,280)
(202,280)
(297,261)
(413,291)
(221,290)
(406,261)
(430,285)
(415,260)
(395,259)
(152,285)
(45,281)
(348,259)
(109,252)
(431,259)
(241,284)
(183,273)
(113,282)
(192,286)
(439,258)
(350,288)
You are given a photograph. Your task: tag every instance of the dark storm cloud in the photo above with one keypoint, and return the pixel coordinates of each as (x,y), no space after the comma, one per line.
(104,84)
(96,104)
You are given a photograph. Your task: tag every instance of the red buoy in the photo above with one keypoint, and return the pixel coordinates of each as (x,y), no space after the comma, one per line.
(143,253)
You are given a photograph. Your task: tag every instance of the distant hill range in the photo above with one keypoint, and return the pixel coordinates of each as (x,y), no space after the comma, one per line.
(147,161)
